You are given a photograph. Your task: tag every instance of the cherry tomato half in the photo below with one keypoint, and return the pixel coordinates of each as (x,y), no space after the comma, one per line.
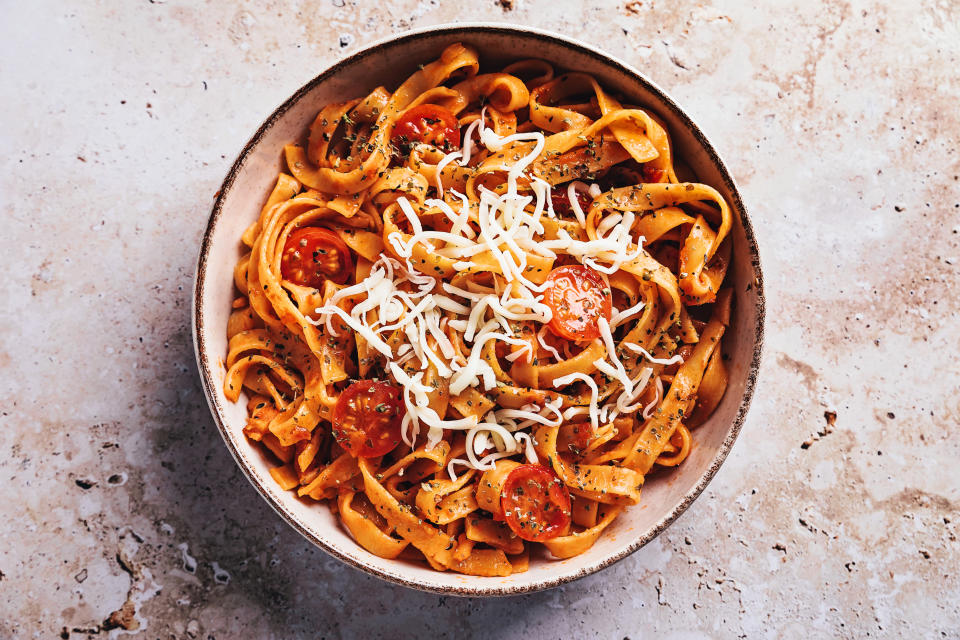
(535,503)
(314,254)
(427,123)
(366,420)
(561,200)
(578,298)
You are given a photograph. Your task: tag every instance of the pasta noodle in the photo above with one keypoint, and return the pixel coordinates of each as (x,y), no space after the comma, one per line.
(478,311)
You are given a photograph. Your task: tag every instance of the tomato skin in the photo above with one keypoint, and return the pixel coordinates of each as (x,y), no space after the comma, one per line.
(561,200)
(428,123)
(366,420)
(578,297)
(535,503)
(312,255)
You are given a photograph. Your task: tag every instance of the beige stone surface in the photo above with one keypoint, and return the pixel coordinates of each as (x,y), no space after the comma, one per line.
(120,505)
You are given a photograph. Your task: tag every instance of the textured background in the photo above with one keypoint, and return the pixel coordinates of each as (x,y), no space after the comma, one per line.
(839,119)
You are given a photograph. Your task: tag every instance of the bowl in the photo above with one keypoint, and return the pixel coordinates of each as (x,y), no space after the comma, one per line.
(666,495)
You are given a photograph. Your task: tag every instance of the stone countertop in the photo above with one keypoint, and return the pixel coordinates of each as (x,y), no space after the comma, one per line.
(835,515)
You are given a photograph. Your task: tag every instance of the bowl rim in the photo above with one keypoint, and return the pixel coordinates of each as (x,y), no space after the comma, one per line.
(466,28)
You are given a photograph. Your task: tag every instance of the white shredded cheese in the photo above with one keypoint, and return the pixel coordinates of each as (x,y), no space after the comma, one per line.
(621,316)
(648,410)
(646,354)
(594,393)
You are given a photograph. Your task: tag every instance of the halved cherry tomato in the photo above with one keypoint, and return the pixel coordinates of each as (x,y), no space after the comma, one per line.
(427,123)
(561,200)
(366,420)
(535,503)
(578,298)
(314,254)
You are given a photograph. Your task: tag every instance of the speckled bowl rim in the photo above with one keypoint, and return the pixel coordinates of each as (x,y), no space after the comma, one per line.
(465,29)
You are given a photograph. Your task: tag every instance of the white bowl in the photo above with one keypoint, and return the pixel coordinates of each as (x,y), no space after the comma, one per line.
(667,494)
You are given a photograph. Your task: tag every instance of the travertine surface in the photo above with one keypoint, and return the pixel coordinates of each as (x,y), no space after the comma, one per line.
(840,120)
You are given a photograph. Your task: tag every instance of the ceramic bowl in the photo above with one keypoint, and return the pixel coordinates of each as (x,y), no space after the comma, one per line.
(666,495)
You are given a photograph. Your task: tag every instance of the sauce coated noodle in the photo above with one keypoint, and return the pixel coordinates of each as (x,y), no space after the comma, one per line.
(477,311)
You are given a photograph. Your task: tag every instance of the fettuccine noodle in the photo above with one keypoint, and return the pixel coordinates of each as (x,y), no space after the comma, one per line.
(478,311)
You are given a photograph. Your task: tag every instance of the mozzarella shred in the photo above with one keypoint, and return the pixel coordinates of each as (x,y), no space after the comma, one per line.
(593,408)
(445,329)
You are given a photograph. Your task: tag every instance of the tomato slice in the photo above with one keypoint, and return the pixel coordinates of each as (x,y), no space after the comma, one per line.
(366,420)
(427,123)
(535,503)
(578,297)
(313,255)
(561,200)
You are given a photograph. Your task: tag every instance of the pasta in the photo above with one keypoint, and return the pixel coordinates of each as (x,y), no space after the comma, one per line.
(478,311)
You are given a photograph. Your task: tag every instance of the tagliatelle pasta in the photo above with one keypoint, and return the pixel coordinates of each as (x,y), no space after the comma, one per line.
(478,311)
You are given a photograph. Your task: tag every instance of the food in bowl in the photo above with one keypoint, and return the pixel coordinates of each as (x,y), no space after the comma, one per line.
(478,311)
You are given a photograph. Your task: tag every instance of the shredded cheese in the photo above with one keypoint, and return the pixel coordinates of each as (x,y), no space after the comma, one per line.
(594,410)
(646,354)
(437,320)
